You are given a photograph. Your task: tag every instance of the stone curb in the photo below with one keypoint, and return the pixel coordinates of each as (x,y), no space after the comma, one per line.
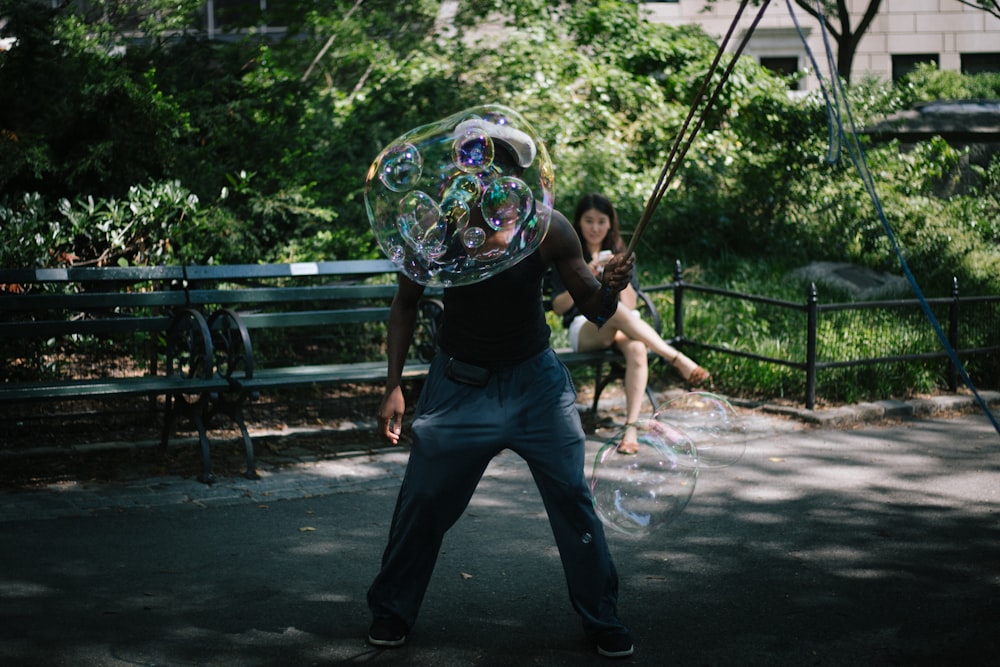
(861,413)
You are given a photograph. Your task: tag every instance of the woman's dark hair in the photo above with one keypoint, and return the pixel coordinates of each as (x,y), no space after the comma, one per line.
(613,239)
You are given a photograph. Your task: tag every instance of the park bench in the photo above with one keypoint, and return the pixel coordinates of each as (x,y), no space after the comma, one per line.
(192,336)
(191,333)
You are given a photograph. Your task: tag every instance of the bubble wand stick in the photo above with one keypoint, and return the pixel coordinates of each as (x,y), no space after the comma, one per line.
(675,159)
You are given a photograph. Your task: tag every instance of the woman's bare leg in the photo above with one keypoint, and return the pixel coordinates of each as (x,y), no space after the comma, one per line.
(637,328)
(636,373)
(636,377)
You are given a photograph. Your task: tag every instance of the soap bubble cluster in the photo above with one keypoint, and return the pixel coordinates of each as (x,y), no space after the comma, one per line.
(461,199)
(636,493)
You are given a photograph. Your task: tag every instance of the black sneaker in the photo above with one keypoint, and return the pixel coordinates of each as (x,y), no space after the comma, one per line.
(615,645)
(388,632)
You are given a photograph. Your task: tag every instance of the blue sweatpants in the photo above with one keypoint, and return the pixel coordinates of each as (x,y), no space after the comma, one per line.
(458,429)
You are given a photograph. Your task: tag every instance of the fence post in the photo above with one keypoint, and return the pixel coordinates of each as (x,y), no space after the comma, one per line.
(953,335)
(678,301)
(812,311)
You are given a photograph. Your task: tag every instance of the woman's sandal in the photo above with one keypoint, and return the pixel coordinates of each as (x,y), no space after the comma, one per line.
(698,377)
(628,445)
(692,373)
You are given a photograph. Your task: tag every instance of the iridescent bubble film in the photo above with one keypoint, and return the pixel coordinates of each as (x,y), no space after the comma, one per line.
(461,199)
(637,493)
(712,423)
(401,168)
(473,150)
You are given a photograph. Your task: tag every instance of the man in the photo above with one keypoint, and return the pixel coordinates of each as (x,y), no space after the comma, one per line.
(496,384)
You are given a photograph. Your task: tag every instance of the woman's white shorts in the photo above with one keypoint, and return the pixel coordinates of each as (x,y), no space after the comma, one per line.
(577,324)
(574,332)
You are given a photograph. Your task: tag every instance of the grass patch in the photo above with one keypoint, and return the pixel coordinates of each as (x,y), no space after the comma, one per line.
(777,328)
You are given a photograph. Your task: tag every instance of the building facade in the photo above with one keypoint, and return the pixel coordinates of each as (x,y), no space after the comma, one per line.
(904,33)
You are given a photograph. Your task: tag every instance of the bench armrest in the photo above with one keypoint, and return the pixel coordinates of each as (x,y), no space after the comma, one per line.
(190,352)
(234,359)
(428,323)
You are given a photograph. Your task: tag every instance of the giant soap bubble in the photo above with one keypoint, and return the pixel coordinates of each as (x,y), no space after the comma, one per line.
(637,493)
(462,199)
(713,425)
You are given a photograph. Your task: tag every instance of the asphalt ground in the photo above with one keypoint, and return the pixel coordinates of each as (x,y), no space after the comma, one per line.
(864,542)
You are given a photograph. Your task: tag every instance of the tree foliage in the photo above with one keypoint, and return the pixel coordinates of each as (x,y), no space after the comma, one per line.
(255,148)
(839,22)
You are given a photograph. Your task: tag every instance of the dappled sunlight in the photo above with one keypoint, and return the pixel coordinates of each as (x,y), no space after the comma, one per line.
(22,589)
(356,467)
(815,541)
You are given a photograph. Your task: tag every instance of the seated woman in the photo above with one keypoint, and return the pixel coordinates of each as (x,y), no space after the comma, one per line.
(596,223)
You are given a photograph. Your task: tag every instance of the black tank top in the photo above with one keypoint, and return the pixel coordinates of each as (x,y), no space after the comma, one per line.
(498,321)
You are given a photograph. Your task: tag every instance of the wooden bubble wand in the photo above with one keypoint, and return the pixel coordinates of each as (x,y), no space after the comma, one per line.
(677,152)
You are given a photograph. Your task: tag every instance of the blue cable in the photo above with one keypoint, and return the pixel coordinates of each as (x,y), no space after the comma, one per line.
(839,138)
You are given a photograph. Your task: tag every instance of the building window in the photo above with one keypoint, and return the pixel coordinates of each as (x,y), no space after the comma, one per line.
(786,67)
(905,63)
(977,63)
(230,14)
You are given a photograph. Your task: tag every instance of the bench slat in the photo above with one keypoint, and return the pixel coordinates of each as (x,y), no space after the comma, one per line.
(346,292)
(48,328)
(92,300)
(314,318)
(366,371)
(92,274)
(116,386)
(249,271)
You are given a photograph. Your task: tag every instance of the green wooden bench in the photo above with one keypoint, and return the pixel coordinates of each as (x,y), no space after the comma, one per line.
(192,333)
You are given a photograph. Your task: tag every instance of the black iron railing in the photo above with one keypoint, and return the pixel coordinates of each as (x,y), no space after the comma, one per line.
(853,330)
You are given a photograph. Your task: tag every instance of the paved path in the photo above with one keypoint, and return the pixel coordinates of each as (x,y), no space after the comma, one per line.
(877,544)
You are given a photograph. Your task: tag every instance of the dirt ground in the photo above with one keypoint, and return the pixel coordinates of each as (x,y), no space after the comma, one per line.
(117,439)
(91,441)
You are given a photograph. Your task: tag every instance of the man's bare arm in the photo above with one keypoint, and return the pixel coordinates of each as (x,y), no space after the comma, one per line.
(597,300)
(399,337)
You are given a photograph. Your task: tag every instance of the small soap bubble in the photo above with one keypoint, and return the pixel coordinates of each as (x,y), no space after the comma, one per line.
(488,157)
(466,186)
(473,238)
(507,203)
(400,167)
(637,493)
(712,423)
(420,220)
(473,151)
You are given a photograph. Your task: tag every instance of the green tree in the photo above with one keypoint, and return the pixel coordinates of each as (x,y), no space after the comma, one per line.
(79,115)
(990,6)
(252,159)
(837,18)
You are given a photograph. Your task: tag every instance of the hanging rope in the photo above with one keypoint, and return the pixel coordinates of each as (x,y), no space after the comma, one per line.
(838,109)
(677,153)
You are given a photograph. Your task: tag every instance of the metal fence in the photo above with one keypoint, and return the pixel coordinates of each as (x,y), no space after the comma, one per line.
(819,337)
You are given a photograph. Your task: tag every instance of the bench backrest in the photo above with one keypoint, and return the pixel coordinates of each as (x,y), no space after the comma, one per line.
(272,295)
(135,305)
